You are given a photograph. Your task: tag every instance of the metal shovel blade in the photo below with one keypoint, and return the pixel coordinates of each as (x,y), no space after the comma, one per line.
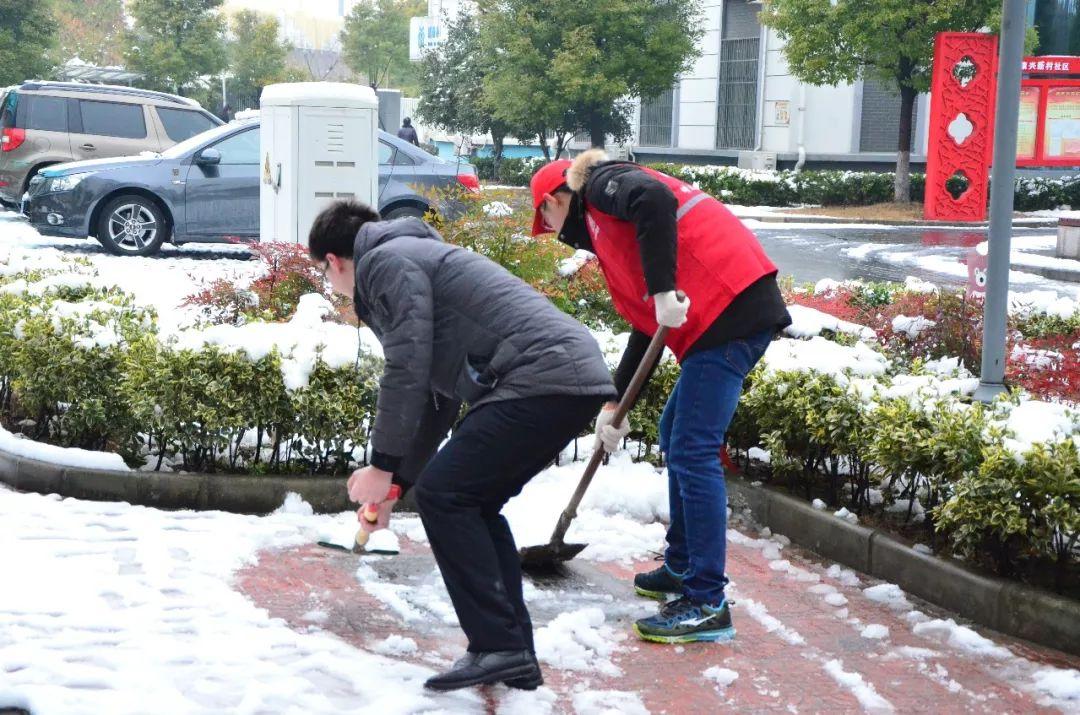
(548,556)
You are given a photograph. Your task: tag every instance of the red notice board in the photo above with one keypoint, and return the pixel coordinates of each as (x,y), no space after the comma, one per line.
(1049,129)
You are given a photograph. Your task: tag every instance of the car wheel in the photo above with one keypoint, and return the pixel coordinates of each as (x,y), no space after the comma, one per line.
(404,211)
(132,226)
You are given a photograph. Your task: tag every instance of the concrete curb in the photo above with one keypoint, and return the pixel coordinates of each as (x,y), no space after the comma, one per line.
(1009,607)
(241,494)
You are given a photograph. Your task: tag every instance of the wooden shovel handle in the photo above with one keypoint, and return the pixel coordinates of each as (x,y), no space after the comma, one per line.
(656,346)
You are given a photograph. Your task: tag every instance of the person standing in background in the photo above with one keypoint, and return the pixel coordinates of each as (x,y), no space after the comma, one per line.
(408,133)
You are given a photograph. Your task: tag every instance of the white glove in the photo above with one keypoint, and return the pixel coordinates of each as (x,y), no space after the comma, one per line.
(670,311)
(608,434)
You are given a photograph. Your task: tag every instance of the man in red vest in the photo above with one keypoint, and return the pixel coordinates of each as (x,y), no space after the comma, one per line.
(654,236)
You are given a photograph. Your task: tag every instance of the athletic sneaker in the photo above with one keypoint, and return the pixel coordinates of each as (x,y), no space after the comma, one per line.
(659,583)
(683,621)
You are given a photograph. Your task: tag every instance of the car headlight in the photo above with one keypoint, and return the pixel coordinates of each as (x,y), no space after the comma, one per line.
(64,183)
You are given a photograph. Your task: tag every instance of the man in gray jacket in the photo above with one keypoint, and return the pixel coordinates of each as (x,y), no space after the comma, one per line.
(457,328)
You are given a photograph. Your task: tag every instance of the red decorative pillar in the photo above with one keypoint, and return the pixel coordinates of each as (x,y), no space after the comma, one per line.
(961,138)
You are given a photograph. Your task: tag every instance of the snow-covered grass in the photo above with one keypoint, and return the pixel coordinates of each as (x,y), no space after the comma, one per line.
(64,456)
(162,281)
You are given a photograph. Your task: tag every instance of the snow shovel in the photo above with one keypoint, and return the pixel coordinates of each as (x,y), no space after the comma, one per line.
(546,556)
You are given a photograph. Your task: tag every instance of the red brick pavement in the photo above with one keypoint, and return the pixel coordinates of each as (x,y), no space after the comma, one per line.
(773,674)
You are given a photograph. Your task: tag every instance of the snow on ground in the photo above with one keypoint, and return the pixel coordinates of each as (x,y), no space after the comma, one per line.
(1032,421)
(911,326)
(1020,256)
(498,209)
(952,262)
(1043,301)
(163,281)
(573,264)
(106,602)
(301,341)
(608,702)
(579,640)
(66,456)
(722,676)
(619,516)
(863,691)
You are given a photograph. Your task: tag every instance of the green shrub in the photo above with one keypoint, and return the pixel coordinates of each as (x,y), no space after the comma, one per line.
(780,402)
(926,451)
(14,309)
(744,432)
(200,404)
(77,401)
(984,515)
(1051,482)
(837,422)
(510,172)
(333,415)
(1037,326)
(1018,510)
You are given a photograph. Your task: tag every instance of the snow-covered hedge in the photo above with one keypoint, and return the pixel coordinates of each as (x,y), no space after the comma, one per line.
(82,366)
(788,188)
(1000,483)
(510,171)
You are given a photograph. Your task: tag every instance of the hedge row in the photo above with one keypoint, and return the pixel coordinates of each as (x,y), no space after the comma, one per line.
(509,172)
(84,367)
(940,469)
(817,188)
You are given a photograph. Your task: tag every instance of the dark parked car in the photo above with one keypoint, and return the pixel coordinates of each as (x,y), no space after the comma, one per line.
(205,189)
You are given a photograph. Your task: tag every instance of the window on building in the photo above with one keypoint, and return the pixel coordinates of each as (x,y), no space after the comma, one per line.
(657,114)
(740,40)
(880,122)
(1057,23)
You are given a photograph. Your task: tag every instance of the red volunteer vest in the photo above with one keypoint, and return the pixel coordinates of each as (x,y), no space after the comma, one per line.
(717,258)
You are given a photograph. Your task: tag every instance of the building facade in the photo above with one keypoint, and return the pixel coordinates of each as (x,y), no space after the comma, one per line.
(739,101)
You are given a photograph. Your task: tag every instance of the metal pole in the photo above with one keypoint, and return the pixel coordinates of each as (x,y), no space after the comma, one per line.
(1003,181)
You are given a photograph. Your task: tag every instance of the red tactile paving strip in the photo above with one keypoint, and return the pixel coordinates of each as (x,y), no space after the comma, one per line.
(773,675)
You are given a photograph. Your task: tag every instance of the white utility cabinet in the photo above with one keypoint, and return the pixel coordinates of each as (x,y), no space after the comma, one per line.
(318,142)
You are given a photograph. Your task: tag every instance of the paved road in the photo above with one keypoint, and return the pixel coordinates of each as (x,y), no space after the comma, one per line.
(940,256)
(806,252)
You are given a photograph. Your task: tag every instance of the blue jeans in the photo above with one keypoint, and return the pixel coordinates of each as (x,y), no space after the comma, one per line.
(692,431)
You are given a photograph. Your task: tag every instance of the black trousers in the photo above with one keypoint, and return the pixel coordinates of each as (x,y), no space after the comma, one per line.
(493,453)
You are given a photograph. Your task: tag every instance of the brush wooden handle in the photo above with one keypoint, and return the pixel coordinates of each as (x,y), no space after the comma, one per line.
(370,513)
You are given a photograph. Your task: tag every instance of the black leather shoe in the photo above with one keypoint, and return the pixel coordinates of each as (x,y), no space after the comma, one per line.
(516,668)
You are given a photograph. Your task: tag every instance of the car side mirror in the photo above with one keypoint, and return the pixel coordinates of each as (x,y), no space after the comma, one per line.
(209,157)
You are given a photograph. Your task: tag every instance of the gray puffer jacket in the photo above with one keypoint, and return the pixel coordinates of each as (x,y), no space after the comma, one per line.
(455,324)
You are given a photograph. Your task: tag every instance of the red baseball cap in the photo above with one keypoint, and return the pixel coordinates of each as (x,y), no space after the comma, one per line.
(547,180)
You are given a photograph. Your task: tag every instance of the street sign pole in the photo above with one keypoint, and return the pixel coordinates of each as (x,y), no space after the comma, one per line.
(1003,181)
